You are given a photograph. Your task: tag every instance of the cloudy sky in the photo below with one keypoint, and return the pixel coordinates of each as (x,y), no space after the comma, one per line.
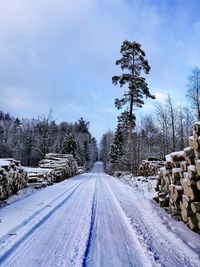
(61,54)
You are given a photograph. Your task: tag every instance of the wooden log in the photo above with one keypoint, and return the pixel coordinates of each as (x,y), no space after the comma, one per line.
(185,189)
(178,192)
(198,185)
(186,201)
(183,216)
(193,192)
(168,162)
(197,164)
(195,206)
(194,145)
(184,165)
(188,152)
(197,153)
(190,160)
(198,216)
(177,156)
(188,181)
(193,223)
(176,164)
(192,172)
(176,174)
(181,205)
(187,212)
(167,179)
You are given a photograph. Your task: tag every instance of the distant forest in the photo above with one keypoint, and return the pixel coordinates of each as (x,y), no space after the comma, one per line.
(28,140)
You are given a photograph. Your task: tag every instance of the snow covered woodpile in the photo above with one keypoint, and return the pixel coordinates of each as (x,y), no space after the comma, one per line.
(39,177)
(12,178)
(150,166)
(63,165)
(178,183)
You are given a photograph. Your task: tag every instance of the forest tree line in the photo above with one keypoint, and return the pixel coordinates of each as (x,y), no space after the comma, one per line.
(28,140)
(154,136)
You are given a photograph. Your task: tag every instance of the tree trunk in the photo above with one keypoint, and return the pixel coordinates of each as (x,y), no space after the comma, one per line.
(130,141)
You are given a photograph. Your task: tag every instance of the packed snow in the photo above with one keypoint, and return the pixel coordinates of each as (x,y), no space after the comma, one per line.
(94,220)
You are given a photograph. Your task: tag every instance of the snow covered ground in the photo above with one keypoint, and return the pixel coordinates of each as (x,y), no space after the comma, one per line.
(145,186)
(93,220)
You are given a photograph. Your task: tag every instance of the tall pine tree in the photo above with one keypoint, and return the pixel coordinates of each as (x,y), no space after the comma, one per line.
(134,62)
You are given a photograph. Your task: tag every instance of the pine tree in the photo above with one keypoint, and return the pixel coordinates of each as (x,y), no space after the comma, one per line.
(69,145)
(116,152)
(133,60)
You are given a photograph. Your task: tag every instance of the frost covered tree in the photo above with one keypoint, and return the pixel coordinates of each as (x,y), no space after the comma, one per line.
(133,61)
(28,140)
(105,147)
(69,145)
(117,148)
(193,90)
(93,150)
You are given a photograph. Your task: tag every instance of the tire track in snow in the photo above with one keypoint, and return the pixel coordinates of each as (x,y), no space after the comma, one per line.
(112,241)
(93,215)
(27,228)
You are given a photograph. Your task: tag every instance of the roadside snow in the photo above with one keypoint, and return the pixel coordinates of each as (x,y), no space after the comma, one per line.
(144,185)
(171,243)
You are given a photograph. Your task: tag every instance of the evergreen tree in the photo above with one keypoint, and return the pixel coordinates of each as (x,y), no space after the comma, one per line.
(105,148)
(116,152)
(69,145)
(133,60)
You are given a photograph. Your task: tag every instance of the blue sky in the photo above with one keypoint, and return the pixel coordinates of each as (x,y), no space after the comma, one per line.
(61,54)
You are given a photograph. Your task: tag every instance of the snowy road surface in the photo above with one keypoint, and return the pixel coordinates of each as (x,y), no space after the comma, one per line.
(93,220)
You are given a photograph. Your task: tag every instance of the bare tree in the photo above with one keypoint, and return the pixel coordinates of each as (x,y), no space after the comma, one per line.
(171,111)
(193,91)
(162,119)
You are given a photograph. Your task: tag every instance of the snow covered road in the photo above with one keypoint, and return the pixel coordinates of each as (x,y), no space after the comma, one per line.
(92,220)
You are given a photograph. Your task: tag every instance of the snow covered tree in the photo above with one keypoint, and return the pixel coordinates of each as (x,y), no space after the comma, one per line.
(105,147)
(117,146)
(93,150)
(193,91)
(134,62)
(69,145)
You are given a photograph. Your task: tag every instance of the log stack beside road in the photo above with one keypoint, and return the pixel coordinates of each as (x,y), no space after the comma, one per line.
(63,165)
(150,166)
(178,183)
(12,178)
(54,168)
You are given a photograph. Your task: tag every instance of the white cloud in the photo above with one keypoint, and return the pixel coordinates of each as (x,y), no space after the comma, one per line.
(161,96)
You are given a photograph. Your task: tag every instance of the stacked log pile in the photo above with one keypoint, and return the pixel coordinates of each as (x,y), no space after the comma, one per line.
(178,183)
(150,167)
(12,178)
(39,177)
(54,168)
(63,165)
